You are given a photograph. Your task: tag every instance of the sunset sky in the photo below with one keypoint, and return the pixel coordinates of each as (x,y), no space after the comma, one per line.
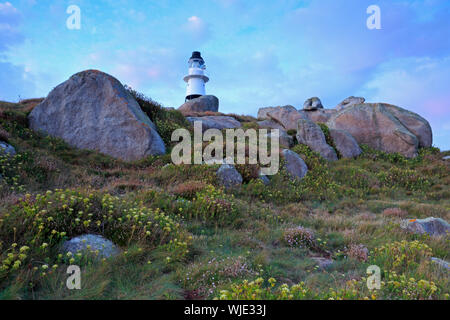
(258,53)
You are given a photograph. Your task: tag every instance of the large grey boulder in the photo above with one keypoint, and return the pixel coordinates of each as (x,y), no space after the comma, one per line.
(414,123)
(228,176)
(287,116)
(92,110)
(313,103)
(201,104)
(7,149)
(262,112)
(294,164)
(375,125)
(345,143)
(216,122)
(350,101)
(89,243)
(431,226)
(310,134)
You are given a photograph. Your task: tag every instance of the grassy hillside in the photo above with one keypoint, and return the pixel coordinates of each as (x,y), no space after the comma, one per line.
(183,237)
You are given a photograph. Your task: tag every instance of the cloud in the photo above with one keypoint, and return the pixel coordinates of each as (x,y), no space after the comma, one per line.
(10,19)
(15,81)
(197,29)
(419,85)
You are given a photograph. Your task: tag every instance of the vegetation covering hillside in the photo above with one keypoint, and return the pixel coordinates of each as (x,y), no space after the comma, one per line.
(183,237)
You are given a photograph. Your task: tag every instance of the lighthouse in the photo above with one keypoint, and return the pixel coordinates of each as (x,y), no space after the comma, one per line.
(196,77)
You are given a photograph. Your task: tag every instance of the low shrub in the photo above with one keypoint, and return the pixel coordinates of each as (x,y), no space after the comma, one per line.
(299,237)
(213,206)
(188,190)
(358,252)
(166,121)
(401,255)
(30,233)
(259,290)
(394,212)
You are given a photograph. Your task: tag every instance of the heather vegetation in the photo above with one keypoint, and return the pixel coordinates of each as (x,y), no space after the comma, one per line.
(182,236)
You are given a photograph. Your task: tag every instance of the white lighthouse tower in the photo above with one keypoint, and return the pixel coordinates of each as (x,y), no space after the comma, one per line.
(196,78)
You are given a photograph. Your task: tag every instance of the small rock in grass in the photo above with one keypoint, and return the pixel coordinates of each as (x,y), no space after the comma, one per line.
(442,263)
(431,226)
(323,263)
(7,149)
(264,179)
(228,176)
(295,165)
(105,247)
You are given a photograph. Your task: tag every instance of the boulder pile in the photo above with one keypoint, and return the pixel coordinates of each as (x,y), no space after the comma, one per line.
(381,126)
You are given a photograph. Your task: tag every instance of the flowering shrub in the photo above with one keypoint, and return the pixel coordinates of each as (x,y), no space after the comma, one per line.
(403,178)
(166,121)
(400,287)
(299,237)
(395,287)
(401,256)
(358,252)
(204,278)
(188,189)
(257,290)
(214,206)
(10,167)
(38,225)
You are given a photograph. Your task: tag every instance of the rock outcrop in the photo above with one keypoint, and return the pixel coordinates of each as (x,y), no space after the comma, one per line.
(287,116)
(377,126)
(312,104)
(345,143)
(92,110)
(350,101)
(201,104)
(262,112)
(310,134)
(414,123)
(320,115)
(294,164)
(270,124)
(216,122)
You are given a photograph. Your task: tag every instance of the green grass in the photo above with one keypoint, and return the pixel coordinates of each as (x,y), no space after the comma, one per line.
(211,243)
